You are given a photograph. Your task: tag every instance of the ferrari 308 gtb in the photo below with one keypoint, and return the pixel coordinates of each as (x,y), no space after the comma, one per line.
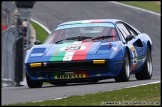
(89,51)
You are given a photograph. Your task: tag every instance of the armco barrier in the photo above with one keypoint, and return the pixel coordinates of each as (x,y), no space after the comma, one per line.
(12,45)
(8,56)
(12,59)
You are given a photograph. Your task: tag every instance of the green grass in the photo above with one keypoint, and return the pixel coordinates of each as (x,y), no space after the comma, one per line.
(148,5)
(143,94)
(41,34)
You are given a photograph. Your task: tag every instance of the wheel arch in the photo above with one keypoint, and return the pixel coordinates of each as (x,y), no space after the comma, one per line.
(127,50)
(149,45)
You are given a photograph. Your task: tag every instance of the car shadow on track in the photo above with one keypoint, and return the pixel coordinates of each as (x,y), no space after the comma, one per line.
(86,83)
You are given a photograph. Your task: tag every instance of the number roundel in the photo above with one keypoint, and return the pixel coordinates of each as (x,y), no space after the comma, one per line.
(72,48)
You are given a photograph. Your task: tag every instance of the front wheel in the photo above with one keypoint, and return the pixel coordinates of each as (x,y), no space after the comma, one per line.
(147,70)
(124,75)
(32,83)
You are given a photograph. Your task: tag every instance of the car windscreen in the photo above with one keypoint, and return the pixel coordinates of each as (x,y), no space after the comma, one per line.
(79,32)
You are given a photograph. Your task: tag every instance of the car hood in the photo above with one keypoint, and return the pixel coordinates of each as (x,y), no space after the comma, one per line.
(77,50)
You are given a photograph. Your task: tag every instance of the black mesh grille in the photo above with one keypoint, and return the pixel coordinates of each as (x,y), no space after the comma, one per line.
(70,66)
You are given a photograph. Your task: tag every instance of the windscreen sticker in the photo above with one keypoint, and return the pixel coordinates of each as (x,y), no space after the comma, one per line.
(85,25)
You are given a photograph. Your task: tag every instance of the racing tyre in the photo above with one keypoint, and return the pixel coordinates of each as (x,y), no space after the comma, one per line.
(33,84)
(124,75)
(147,70)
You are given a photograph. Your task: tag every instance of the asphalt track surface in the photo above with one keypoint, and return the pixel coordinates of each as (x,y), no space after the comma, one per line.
(51,14)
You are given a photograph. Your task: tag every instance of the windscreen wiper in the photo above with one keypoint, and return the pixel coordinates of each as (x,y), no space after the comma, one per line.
(78,38)
(74,38)
(59,41)
(102,37)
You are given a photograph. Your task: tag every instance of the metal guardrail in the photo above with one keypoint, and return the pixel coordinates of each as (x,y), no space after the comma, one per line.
(8,56)
(8,40)
(13,47)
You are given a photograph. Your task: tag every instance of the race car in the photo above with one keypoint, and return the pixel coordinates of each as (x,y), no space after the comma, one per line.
(89,51)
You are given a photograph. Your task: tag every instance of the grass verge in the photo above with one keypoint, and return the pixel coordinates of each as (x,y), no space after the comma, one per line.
(142,95)
(148,5)
(41,34)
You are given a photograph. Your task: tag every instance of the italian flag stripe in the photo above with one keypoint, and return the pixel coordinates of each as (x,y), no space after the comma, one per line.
(69,54)
(59,55)
(81,54)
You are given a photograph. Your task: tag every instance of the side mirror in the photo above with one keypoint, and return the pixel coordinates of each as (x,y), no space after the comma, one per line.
(37,42)
(129,37)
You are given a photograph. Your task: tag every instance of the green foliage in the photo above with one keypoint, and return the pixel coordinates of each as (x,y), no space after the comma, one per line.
(148,5)
(41,34)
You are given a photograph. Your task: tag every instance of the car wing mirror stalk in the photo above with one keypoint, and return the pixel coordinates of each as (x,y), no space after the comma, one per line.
(37,42)
(129,37)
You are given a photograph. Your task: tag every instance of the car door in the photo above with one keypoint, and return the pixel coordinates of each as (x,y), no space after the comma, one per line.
(137,42)
(135,45)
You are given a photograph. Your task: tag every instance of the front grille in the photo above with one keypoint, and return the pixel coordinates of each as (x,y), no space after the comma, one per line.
(70,66)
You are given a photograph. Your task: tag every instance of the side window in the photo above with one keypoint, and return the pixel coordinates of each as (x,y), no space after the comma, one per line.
(123,29)
(132,31)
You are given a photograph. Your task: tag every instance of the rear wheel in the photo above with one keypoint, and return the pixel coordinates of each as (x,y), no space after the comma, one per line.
(124,75)
(147,70)
(32,83)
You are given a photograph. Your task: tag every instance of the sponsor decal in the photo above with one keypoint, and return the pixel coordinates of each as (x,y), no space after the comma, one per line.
(132,67)
(134,53)
(132,47)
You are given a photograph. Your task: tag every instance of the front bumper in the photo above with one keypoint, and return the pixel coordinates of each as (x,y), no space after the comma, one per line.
(72,70)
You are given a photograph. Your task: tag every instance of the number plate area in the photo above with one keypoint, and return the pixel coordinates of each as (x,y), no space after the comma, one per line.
(69,75)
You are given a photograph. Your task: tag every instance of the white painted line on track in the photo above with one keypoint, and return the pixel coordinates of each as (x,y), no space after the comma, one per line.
(136,8)
(144,84)
(50,99)
(45,28)
(58,98)
(135,85)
